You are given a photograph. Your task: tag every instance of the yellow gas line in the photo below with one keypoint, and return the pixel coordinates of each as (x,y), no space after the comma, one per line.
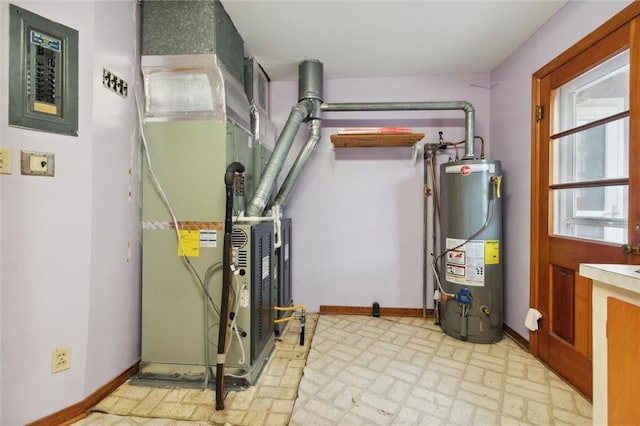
(301,317)
(289,308)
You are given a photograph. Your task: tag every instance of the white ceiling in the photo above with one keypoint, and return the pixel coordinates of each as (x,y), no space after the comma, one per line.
(378,38)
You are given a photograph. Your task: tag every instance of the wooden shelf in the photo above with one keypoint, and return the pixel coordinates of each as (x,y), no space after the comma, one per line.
(376,140)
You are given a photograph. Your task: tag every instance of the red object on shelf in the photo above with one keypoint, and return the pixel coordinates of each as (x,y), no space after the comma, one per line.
(373,130)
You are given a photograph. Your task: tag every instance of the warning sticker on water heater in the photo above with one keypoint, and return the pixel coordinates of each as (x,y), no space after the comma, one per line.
(465,262)
(492,252)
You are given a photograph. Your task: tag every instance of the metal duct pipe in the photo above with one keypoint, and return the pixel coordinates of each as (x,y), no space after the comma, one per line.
(310,80)
(298,114)
(301,161)
(418,106)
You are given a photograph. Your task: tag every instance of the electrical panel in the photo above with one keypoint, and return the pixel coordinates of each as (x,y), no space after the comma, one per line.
(43,69)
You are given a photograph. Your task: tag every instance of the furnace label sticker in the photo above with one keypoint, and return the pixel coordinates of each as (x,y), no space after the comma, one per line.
(465,262)
(208,239)
(265,267)
(189,243)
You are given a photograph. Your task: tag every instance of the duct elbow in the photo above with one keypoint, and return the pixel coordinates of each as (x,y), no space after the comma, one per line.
(256,207)
(301,110)
(467,107)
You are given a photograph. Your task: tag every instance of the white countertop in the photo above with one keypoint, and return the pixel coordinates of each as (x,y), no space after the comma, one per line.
(622,276)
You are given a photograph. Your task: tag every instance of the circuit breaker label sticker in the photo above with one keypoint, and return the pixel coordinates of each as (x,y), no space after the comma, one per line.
(491,252)
(208,239)
(46,108)
(189,243)
(45,41)
(465,262)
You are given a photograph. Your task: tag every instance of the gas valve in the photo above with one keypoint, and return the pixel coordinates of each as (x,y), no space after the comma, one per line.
(463,297)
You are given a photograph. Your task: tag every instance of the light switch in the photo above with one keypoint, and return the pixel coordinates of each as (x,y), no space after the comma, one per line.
(36,163)
(5,161)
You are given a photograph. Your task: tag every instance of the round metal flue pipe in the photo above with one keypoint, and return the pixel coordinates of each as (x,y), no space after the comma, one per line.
(310,79)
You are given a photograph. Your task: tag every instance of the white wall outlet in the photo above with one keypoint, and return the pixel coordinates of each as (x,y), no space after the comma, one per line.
(37,163)
(5,161)
(61,359)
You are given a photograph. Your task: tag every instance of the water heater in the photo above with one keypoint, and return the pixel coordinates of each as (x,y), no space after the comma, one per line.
(471,258)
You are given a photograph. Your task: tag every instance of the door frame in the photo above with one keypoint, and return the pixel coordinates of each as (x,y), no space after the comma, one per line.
(539,248)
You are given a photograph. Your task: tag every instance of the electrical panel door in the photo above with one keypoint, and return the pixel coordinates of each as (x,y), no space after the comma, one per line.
(43,69)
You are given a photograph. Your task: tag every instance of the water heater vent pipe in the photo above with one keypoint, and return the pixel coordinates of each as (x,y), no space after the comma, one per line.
(309,108)
(298,165)
(310,82)
(469,114)
(280,152)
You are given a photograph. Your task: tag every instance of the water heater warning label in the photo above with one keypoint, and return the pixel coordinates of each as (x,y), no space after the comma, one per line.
(492,252)
(465,262)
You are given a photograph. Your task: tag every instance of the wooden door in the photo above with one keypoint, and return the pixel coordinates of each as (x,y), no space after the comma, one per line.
(585,186)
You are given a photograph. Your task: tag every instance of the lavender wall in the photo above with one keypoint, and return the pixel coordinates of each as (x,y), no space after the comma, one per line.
(69,270)
(65,279)
(114,302)
(511,137)
(357,230)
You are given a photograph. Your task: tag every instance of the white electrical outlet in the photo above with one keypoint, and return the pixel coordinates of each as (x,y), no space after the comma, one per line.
(61,359)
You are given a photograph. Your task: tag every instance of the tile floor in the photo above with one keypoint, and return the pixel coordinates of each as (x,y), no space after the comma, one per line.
(269,402)
(389,371)
(363,370)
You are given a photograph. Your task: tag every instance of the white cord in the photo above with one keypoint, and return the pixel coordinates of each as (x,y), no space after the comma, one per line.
(234,325)
(152,173)
(165,200)
(437,278)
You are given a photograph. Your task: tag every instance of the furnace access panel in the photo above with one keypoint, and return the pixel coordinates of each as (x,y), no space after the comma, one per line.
(43,71)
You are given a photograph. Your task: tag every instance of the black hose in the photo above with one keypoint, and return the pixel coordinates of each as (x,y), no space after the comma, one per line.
(232,169)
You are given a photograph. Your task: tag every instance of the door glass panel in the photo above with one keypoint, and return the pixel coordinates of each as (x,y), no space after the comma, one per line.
(597,153)
(593,213)
(599,93)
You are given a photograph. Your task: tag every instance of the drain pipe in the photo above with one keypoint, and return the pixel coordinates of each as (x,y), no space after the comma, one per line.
(310,81)
(229,176)
(465,106)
